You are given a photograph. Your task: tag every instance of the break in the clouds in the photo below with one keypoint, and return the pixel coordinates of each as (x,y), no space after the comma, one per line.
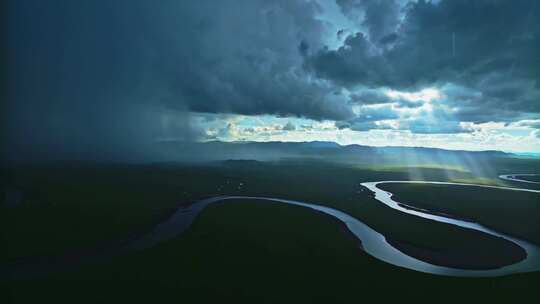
(487,48)
(112,77)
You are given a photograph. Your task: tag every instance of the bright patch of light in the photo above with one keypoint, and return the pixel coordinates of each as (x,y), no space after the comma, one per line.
(388,123)
(425,95)
(517,137)
(428,107)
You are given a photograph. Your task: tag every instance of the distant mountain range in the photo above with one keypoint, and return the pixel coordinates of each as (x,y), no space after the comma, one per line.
(181,151)
(529,154)
(217,150)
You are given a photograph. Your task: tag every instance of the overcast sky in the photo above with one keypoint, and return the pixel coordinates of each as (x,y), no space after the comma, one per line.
(115,76)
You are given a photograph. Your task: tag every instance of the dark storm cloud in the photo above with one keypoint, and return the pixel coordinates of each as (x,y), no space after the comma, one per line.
(488,46)
(490,36)
(107,78)
(366,118)
(379,17)
(247,59)
(370,97)
(80,82)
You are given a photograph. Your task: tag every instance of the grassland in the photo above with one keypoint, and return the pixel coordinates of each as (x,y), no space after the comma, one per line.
(513,212)
(250,252)
(81,207)
(241,250)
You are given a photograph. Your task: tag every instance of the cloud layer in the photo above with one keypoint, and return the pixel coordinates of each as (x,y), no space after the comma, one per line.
(111,77)
(486,48)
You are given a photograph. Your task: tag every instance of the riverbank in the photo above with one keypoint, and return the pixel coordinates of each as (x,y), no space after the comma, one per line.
(469,260)
(513,212)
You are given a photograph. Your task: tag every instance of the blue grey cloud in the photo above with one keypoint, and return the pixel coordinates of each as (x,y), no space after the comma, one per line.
(108,78)
(486,46)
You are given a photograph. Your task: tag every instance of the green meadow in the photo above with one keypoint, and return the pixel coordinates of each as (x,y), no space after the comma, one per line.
(247,250)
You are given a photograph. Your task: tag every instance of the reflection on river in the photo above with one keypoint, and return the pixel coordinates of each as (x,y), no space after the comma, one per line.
(518,178)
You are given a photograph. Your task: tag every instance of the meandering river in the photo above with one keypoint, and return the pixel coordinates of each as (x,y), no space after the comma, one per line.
(373,242)
(530,263)
(515,178)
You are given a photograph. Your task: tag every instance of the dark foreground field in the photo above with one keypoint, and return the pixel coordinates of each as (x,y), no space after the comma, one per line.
(249,251)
